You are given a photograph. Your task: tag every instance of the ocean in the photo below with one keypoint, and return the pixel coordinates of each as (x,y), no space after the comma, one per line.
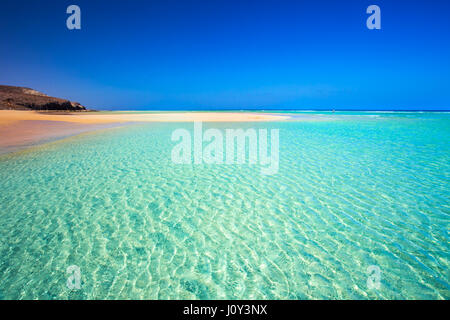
(358,209)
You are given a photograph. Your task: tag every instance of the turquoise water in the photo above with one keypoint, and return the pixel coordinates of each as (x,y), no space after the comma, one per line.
(353,191)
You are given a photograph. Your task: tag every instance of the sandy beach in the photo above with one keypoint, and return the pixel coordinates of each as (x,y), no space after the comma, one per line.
(19,129)
(9,116)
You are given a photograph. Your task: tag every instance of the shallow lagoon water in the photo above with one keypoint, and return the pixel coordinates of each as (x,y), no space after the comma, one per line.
(351,192)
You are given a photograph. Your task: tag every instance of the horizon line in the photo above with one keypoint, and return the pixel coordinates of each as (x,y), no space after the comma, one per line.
(279,109)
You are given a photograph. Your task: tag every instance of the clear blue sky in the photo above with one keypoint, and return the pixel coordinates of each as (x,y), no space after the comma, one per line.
(221,54)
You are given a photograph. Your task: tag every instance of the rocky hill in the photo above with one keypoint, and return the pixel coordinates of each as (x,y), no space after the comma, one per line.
(21,98)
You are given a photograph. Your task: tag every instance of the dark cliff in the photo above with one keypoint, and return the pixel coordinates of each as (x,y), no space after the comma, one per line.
(20,98)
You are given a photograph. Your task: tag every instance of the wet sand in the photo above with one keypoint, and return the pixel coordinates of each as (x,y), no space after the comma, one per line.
(18,135)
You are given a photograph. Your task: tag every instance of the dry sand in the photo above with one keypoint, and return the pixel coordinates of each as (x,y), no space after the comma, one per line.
(96,118)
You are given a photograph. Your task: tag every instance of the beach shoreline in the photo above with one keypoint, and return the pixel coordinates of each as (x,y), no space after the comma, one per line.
(9,116)
(22,129)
